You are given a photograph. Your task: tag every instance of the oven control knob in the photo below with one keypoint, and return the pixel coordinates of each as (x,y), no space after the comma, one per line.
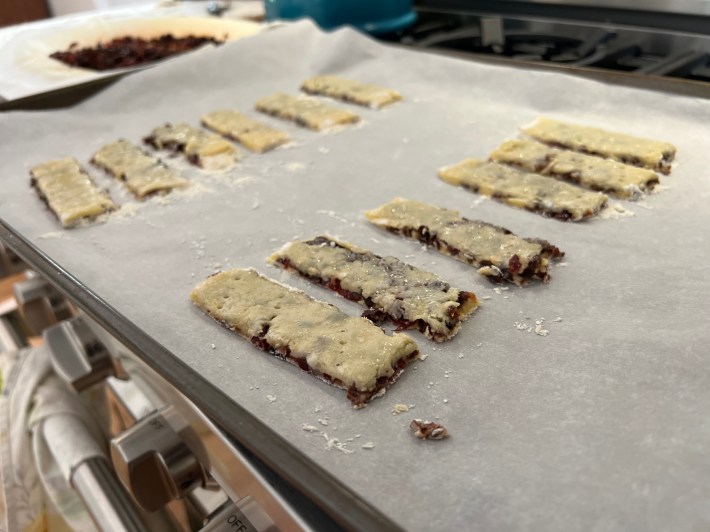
(153,462)
(78,356)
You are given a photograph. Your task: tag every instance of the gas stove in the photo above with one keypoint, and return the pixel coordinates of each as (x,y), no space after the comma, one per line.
(666,42)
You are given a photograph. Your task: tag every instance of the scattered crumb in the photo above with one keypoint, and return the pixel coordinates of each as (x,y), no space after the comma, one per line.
(614,211)
(381,393)
(52,234)
(659,188)
(540,329)
(399,408)
(500,289)
(213,346)
(460,355)
(323,422)
(255,204)
(368,445)
(562,264)
(428,430)
(192,191)
(335,443)
(479,200)
(295,167)
(333,215)
(309,428)
(238,182)
(271,398)
(422,356)
(486,297)
(558,318)
(446,401)
(323,149)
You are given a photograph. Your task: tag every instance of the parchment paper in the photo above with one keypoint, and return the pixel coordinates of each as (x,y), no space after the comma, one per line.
(600,425)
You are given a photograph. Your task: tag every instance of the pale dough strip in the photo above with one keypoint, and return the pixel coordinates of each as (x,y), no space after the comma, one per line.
(142,173)
(525,190)
(603,175)
(349,90)
(624,148)
(255,136)
(69,191)
(201,148)
(304,111)
(346,351)
(496,252)
(390,288)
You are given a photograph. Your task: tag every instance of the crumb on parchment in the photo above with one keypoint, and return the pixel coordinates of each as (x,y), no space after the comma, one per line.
(428,430)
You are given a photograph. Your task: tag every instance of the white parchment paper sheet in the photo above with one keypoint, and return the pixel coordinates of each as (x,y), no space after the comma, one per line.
(600,425)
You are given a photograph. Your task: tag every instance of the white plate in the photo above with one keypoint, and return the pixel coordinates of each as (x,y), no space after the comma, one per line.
(28,69)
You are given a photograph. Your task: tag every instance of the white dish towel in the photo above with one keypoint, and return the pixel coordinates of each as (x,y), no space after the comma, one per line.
(35,475)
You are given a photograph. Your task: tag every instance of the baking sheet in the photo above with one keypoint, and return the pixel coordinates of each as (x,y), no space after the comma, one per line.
(600,425)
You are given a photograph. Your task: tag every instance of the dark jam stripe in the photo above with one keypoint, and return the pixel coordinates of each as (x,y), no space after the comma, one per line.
(376,315)
(357,397)
(129,51)
(424,235)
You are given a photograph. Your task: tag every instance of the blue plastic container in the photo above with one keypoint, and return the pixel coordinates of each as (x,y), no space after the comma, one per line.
(372,16)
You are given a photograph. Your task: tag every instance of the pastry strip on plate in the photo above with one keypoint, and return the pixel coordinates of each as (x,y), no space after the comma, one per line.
(624,148)
(305,111)
(142,173)
(201,148)
(349,90)
(390,288)
(496,252)
(346,351)
(525,190)
(254,135)
(604,175)
(69,191)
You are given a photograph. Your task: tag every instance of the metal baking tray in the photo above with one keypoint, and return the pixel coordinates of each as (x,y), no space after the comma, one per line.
(599,424)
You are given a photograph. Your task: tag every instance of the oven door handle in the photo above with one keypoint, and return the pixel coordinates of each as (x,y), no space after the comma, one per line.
(86,467)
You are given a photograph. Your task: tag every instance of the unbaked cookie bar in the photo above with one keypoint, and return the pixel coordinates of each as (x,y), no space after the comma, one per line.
(348,352)
(142,173)
(69,191)
(201,148)
(624,148)
(409,297)
(254,135)
(525,190)
(496,252)
(349,90)
(603,175)
(305,111)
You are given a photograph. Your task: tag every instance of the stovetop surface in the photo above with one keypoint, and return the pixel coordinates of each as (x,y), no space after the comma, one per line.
(604,46)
